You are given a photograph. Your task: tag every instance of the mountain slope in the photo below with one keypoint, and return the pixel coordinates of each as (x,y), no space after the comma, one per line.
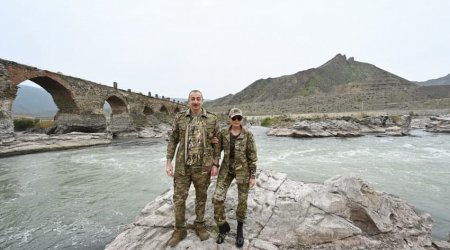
(339,75)
(445,80)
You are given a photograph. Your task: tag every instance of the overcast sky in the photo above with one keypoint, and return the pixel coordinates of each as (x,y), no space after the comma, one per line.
(220,47)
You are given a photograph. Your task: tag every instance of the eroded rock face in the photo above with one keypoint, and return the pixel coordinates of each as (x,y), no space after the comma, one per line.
(347,127)
(329,128)
(342,213)
(440,124)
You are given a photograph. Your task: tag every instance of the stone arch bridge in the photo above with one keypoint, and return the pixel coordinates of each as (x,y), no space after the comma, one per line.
(80,102)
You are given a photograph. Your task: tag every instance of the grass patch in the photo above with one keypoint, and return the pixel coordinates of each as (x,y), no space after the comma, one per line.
(362,115)
(267,122)
(395,118)
(24,123)
(276,120)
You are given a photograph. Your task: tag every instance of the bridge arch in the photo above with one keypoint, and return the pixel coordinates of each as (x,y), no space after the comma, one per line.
(164,109)
(61,92)
(117,103)
(148,111)
(176,110)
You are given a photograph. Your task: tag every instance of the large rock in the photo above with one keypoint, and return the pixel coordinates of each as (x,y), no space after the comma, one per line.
(440,124)
(342,213)
(395,125)
(156,131)
(346,127)
(325,128)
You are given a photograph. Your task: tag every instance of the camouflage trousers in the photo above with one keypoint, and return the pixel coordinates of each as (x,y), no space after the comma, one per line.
(223,183)
(182,183)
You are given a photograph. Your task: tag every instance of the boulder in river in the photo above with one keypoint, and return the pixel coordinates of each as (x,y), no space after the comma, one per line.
(341,213)
(439,124)
(325,128)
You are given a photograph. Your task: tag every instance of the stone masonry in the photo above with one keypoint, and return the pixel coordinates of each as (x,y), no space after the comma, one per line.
(80,102)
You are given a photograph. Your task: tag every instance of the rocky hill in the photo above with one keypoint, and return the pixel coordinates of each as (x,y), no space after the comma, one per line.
(445,80)
(339,75)
(339,85)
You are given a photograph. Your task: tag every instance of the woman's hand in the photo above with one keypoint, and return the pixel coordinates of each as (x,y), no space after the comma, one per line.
(215,140)
(169,168)
(214,170)
(252,182)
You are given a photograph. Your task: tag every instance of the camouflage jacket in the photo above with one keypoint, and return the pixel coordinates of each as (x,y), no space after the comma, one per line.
(244,155)
(179,136)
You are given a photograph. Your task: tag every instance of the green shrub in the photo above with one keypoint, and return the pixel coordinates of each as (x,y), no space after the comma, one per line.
(267,122)
(22,124)
(395,118)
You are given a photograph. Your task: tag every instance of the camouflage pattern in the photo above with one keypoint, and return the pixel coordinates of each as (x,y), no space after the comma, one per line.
(182,184)
(223,183)
(194,159)
(241,168)
(187,130)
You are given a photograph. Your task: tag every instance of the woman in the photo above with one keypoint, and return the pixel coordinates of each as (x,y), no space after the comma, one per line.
(239,163)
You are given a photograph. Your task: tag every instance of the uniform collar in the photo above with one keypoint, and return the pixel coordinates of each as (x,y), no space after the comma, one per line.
(241,135)
(188,112)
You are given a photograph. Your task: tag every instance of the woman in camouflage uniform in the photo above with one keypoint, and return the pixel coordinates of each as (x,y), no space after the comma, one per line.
(239,163)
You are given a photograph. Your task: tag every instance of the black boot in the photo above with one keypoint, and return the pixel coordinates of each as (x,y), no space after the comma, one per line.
(223,230)
(240,235)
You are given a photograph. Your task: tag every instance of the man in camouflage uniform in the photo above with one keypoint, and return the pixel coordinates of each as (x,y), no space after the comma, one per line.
(192,131)
(239,163)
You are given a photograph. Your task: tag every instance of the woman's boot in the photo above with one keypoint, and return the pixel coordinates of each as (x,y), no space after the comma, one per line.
(240,235)
(223,230)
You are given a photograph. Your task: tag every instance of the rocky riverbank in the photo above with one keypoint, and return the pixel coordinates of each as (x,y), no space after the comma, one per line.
(341,213)
(158,131)
(26,143)
(34,143)
(440,124)
(344,127)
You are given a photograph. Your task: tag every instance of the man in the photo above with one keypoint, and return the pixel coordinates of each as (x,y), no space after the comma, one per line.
(192,131)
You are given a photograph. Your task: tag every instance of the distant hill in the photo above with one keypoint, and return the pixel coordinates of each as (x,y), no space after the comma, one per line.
(338,75)
(339,85)
(33,101)
(445,80)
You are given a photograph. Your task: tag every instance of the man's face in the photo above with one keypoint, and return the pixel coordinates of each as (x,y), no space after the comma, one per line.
(195,101)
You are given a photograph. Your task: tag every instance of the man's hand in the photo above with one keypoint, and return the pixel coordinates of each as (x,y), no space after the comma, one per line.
(215,140)
(214,170)
(169,168)
(252,182)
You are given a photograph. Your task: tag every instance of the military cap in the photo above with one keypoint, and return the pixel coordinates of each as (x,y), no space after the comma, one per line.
(234,112)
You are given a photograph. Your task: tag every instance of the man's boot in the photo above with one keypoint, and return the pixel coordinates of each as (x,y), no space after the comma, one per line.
(240,235)
(177,236)
(223,230)
(201,231)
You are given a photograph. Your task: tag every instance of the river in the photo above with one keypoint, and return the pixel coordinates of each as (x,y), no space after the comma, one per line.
(82,198)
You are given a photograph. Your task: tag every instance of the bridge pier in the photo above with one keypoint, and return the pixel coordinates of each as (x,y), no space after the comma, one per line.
(88,123)
(6,99)
(120,123)
(6,123)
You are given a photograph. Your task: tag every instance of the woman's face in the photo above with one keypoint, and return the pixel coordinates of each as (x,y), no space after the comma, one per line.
(236,120)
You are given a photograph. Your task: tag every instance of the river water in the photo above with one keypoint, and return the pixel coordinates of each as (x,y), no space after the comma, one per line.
(81,199)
